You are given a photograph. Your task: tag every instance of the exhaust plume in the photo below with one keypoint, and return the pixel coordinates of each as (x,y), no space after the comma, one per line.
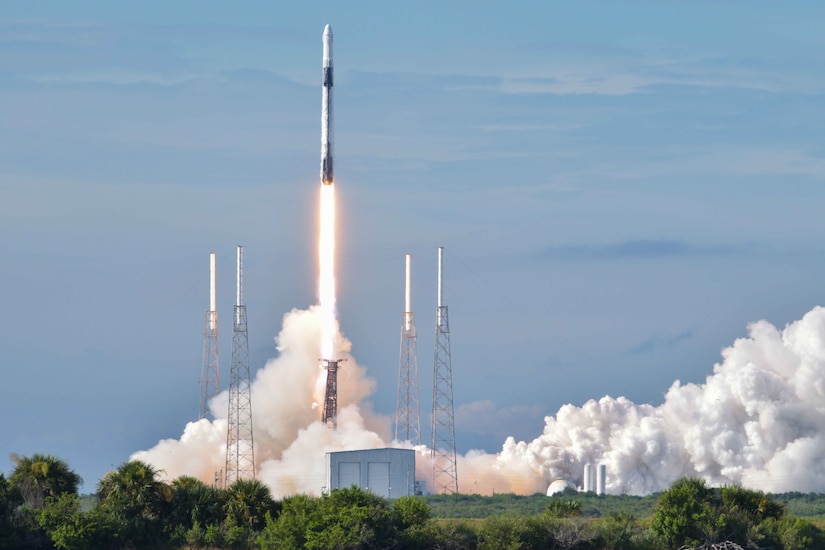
(757,420)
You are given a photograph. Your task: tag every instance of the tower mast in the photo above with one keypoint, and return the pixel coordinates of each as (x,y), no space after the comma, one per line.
(210,382)
(240,456)
(330,413)
(442,449)
(408,416)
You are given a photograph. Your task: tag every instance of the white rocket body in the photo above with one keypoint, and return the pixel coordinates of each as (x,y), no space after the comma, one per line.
(326,110)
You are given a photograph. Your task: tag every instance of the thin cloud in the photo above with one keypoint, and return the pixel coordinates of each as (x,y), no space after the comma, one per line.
(661,341)
(638,249)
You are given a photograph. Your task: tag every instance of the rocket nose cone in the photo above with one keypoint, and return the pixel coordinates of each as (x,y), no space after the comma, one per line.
(328,30)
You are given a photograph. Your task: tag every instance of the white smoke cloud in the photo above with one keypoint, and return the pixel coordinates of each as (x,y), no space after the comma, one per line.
(290,440)
(758,420)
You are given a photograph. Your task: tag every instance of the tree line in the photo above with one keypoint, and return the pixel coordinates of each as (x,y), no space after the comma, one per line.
(132,508)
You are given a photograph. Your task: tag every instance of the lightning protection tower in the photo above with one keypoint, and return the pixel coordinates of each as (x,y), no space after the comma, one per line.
(240,457)
(445,478)
(210,383)
(408,416)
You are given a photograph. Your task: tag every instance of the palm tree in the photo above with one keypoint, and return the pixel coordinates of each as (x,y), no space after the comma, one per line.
(40,476)
(193,500)
(134,494)
(247,502)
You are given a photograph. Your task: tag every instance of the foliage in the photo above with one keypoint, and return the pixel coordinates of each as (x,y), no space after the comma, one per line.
(756,505)
(351,518)
(192,504)
(136,510)
(344,519)
(410,512)
(247,503)
(502,533)
(683,512)
(449,535)
(802,504)
(563,509)
(289,529)
(591,505)
(93,529)
(572,532)
(135,497)
(619,531)
(39,476)
(7,530)
(690,513)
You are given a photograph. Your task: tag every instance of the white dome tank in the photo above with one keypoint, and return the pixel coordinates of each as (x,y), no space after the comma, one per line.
(559,486)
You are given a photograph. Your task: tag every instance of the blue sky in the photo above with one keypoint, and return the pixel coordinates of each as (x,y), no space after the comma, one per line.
(620,188)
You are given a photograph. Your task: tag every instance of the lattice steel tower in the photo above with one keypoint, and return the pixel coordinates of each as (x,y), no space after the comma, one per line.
(330,413)
(445,477)
(210,381)
(240,457)
(408,416)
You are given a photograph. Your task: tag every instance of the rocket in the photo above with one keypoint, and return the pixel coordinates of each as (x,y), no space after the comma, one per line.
(326,110)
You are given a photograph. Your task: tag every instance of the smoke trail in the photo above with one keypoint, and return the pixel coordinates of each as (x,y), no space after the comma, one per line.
(758,420)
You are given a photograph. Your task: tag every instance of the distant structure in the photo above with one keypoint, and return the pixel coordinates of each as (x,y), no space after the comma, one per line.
(559,487)
(330,413)
(443,455)
(589,482)
(601,479)
(408,416)
(388,473)
(240,456)
(210,382)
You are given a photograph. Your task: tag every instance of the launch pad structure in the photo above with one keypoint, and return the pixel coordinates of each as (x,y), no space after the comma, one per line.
(240,452)
(210,378)
(330,413)
(408,415)
(442,449)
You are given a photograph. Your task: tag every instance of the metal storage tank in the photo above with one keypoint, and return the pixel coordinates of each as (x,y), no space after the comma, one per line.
(388,473)
(601,478)
(559,486)
(589,484)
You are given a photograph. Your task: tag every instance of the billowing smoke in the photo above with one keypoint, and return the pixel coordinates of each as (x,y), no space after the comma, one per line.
(758,420)
(287,394)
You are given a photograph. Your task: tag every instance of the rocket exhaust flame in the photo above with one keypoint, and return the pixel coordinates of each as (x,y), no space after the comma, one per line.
(326,266)
(326,242)
(326,245)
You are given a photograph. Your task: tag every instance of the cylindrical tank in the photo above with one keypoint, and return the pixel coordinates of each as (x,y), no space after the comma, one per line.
(588,483)
(601,478)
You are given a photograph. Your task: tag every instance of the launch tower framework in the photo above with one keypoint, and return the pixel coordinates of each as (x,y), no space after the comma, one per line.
(442,449)
(408,416)
(210,381)
(240,456)
(330,414)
